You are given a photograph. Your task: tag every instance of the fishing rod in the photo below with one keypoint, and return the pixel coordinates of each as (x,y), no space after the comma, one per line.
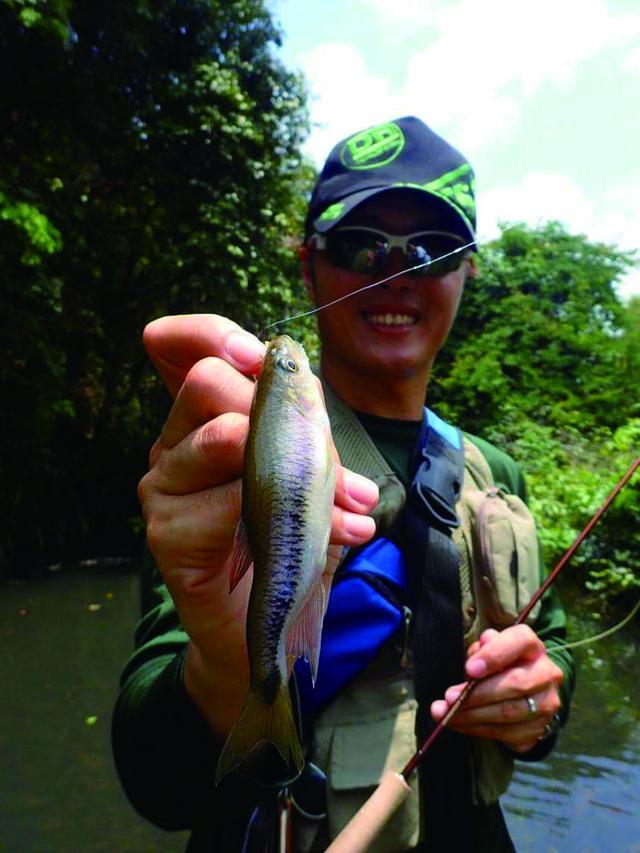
(393,789)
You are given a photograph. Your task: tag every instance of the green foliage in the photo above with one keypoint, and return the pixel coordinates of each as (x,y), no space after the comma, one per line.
(49,16)
(40,236)
(540,331)
(570,475)
(150,165)
(545,362)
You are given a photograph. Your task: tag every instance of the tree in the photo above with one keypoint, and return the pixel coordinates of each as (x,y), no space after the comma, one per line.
(151,165)
(544,360)
(540,331)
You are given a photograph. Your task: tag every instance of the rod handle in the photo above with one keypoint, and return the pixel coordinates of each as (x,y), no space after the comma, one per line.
(368,822)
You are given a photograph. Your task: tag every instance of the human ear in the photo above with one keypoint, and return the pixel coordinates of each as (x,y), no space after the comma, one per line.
(472,266)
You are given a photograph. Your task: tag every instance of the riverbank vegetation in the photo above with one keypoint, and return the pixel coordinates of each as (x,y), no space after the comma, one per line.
(544,360)
(152,165)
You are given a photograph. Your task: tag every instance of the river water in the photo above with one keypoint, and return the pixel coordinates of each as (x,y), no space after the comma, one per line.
(585,798)
(65,637)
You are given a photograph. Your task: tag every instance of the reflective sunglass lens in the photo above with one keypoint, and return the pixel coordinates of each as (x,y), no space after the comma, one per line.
(418,255)
(366,252)
(356,250)
(440,250)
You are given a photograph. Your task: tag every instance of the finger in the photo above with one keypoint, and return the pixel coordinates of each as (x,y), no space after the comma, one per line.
(488,635)
(176,343)
(516,682)
(507,712)
(192,530)
(206,518)
(210,388)
(210,456)
(214,453)
(473,648)
(524,742)
(484,638)
(504,649)
(517,736)
(351,528)
(355,492)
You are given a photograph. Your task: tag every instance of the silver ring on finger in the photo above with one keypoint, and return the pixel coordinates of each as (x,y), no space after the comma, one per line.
(548,731)
(532,705)
(551,727)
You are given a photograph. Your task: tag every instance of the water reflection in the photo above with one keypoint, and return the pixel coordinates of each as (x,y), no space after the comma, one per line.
(586,796)
(62,653)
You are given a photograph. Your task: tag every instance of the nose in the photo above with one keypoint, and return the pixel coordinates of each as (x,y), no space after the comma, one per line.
(396,263)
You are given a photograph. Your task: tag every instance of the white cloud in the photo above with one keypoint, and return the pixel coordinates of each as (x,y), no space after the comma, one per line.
(538,198)
(632,61)
(540,39)
(480,63)
(541,196)
(620,224)
(346,96)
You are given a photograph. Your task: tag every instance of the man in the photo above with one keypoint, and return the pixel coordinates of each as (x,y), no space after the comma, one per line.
(390,198)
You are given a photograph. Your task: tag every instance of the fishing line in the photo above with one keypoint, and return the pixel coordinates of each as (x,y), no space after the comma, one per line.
(601,636)
(374,284)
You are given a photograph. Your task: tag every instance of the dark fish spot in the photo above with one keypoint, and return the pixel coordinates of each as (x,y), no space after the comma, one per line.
(270,686)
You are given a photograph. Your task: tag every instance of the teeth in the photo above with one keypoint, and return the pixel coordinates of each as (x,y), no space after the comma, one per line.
(391,319)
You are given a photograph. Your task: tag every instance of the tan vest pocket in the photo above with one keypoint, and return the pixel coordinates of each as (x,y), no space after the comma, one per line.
(359,755)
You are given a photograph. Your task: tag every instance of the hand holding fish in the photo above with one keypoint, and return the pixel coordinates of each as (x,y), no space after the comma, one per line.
(191,499)
(518,694)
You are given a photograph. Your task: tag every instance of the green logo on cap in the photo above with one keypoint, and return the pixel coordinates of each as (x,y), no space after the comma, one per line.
(457,187)
(332,212)
(373,148)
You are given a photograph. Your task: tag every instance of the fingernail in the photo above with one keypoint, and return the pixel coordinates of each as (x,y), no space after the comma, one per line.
(244,348)
(359,526)
(476,668)
(452,695)
(361,489)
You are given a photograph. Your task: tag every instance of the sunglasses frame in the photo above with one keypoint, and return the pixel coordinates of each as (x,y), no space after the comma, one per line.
(393,241)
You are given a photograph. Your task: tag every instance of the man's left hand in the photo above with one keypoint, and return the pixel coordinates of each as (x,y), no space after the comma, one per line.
(517,691)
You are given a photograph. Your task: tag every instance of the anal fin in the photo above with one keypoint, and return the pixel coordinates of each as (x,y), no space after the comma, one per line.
(303,639)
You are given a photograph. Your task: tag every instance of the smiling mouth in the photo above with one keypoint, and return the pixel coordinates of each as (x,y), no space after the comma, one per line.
(390,318)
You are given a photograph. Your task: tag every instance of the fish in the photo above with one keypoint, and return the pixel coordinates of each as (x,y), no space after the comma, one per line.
(288,492)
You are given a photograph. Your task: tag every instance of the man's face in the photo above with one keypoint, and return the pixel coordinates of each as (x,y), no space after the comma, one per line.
(396,328)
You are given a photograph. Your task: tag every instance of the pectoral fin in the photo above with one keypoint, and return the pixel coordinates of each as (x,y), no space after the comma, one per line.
(303,639)
(240,557)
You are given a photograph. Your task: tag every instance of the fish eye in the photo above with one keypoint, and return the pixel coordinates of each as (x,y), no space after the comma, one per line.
(287,364)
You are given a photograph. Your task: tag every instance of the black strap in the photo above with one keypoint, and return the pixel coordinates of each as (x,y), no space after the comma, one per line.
(438,637)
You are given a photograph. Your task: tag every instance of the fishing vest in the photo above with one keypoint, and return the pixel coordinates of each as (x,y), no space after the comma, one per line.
(370,726)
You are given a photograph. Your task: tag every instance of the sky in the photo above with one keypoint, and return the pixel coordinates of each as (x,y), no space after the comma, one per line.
(542,97)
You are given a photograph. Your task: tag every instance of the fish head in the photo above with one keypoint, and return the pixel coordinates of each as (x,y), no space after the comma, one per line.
(286,356)
(286,368)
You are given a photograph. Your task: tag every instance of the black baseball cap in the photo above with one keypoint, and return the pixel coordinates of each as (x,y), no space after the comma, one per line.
(403,153)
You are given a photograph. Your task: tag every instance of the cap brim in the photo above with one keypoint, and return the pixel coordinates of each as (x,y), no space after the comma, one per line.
(452,218)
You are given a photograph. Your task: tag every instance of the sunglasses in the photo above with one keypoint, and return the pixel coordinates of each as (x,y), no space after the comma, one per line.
(366,250)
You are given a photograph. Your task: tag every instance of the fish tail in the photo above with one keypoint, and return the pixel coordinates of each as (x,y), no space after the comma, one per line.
(262,720)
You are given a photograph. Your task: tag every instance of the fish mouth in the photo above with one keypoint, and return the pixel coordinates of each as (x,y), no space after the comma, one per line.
(395,318)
